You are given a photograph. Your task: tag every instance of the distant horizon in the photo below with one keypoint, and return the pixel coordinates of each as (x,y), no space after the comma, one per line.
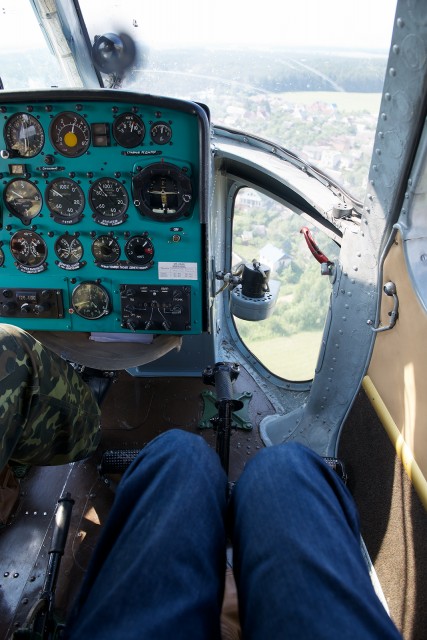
(350,51)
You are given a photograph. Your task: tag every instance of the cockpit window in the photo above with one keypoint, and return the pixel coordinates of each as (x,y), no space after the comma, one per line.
(27,60)
(287,342)
(306,75)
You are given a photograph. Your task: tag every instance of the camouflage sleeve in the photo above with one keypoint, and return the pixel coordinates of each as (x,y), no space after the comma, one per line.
(48,415)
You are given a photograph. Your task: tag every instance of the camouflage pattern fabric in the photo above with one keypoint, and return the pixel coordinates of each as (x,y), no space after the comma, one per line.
(48,414)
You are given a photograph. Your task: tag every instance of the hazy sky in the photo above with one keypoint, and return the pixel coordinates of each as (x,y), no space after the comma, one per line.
(326,23)
(342,23)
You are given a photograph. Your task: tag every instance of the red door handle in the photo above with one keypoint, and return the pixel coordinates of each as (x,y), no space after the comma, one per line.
(317,253)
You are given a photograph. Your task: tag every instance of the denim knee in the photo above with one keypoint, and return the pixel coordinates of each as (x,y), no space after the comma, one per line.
(177,442)
(181,453)
(289,459)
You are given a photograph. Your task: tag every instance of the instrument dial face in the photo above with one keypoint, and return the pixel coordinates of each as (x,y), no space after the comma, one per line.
(69,249)
(24,135)
(161,132)
(139,250)
(91,301)
(28,248)
(106,249)
(23,199)
(162,191)
(108,199)
(128,130)
(70,134)
(65,200)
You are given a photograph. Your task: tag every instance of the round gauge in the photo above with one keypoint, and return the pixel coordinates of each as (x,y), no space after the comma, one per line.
(28,248)
(65,200)
(23,199)
(70,134)
(160,132)
(108,199)
(91,301)
(106,249)
(69,249)
(140,250)
(128,130)
(1,257)
(23,135)
(162,191)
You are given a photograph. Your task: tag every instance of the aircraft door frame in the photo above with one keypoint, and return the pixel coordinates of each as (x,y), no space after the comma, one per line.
(357,290)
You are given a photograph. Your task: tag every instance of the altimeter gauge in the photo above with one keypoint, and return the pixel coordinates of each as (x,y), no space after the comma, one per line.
(91,301)
(109,201)
(24,135)
(65,200)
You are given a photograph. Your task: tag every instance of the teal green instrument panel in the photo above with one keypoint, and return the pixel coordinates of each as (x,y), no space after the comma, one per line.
(103,209)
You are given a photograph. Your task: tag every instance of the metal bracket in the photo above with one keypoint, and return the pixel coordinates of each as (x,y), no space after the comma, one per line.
(239,419)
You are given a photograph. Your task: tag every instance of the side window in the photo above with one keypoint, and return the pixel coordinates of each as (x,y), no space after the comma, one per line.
(288,342)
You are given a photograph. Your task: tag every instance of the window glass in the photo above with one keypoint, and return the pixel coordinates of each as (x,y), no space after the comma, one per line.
(288,342)
(306,75)
(27,61)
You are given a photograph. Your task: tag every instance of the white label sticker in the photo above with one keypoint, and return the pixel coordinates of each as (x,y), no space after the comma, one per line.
(177,270)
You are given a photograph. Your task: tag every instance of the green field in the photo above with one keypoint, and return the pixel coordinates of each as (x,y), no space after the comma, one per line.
(345,101)
(291,357)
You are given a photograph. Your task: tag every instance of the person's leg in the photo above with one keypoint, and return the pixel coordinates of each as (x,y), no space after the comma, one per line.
(297,559)
(48,415)
(158,569)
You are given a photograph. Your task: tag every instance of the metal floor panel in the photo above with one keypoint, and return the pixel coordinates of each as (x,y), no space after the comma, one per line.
(134,412)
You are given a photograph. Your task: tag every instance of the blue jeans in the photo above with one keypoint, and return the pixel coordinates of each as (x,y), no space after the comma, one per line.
(158,570)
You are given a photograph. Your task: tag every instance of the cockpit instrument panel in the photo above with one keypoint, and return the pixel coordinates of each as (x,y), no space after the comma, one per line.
(103,211)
